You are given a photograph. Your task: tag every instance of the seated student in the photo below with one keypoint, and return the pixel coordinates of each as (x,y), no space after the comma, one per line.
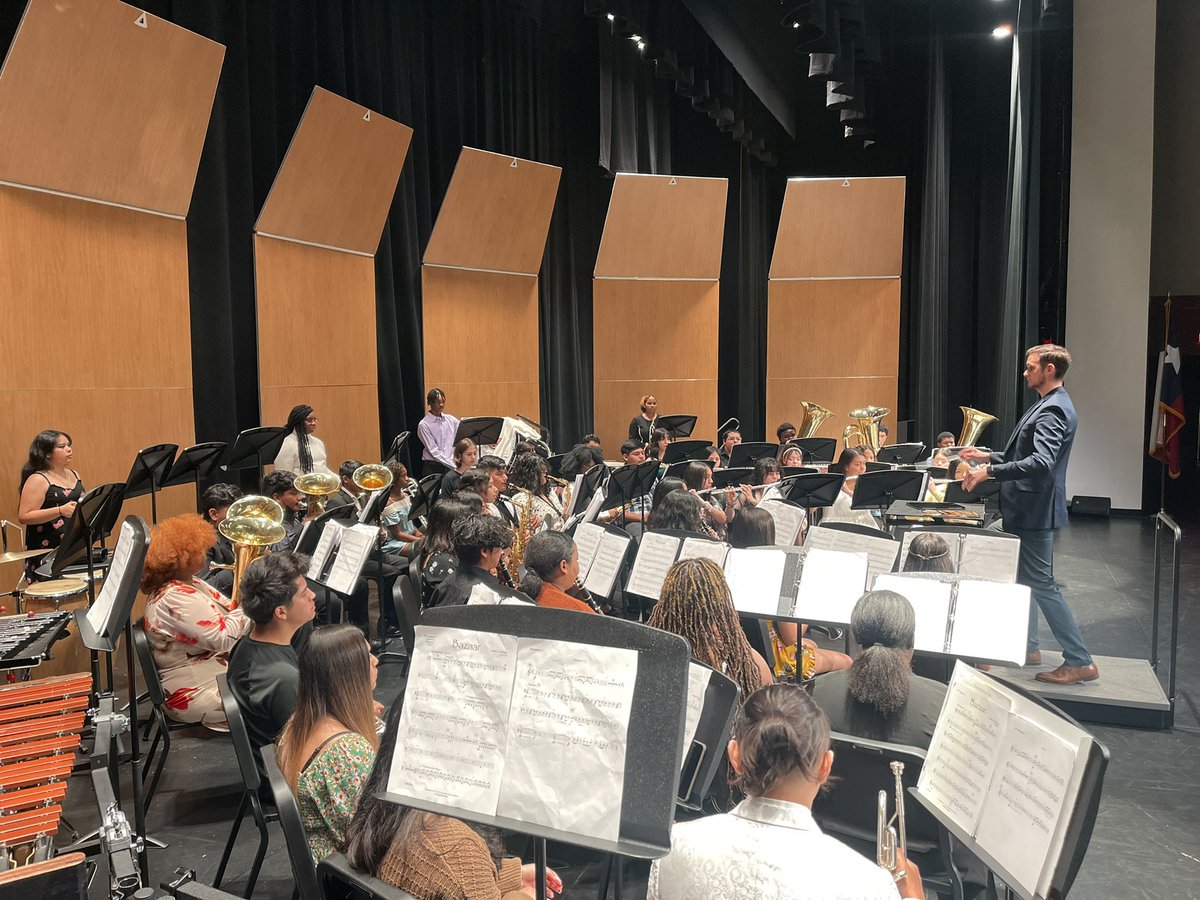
(884,431)
(878,697)
(852,463)
(214,506)
(402,534)
(928,553)
(189,624)
(698,477)
(695,604)
(785,432)
(659,439)
(429,856)
(263,668)
(769,845)
(479,482)
(435,555)
(636,510)
(479,543)
(501,506)
(713,456)
(529,478)
(790,456)
(349,494)
(580,460)
(591,440)
(733,437)
(465,455)
(767,471)
(678,510)
(940,456)
(551,568)
(327,747)
(280,486)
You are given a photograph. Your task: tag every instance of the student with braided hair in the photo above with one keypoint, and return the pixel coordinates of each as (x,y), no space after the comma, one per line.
(695,604)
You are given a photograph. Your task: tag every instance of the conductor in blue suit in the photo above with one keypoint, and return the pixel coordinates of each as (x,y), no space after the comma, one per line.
(1032,472)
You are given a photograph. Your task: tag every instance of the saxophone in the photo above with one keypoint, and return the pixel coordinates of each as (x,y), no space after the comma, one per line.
(521,536)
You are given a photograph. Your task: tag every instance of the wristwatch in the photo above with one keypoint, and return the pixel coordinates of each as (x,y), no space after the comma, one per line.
(988,470)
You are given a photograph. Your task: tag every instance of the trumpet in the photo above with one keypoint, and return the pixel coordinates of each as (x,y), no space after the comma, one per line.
(887,836)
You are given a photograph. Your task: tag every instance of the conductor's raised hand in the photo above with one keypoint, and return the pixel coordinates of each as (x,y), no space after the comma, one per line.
(974,477)
(974,454)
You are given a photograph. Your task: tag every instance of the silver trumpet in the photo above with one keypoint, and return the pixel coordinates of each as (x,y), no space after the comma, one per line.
(887,836)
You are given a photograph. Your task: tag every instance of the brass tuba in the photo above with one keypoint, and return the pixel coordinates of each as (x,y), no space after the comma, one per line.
(866,426)
(373,477)
(974,422)
(814,416)
(251,525)
(318,487)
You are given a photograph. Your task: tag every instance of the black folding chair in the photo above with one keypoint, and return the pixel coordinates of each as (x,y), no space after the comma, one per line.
(158,726)
(406,609)
(251,782)
(342,882)
(303,868)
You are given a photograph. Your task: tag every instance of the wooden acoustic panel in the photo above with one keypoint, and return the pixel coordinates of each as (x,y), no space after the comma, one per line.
(95,338)
(336,183)
(348,414)
(495,214)
(316,315)
(837,393)
(101,100)
(847,328)
(654,337)
(481,341)
(840,227)
(663,226)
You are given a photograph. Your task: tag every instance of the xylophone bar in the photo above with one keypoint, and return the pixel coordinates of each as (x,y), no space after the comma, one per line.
(53,688)
(39,728)
(36,771)
(64,744)
(21,827)
(48,708)
(31,798)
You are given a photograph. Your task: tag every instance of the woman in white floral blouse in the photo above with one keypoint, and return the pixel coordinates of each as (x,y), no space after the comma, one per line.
(190,624)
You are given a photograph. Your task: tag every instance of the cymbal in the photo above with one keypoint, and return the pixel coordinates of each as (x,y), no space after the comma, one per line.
(18,555)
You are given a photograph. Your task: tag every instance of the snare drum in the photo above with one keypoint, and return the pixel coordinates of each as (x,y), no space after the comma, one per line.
(69,654)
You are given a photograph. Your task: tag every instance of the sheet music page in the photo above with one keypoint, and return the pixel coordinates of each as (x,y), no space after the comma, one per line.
(331,534)
(482,595)
(990,557)
(568,732)
(881,551)
(930,601)
(605,568)
(788,521)
(991,621)
(593,507)
(699,548)
(452,735)
(905,540)
(754,578)
(831,582)
(962,755)
(575,485)
(98,613)
(355,546)
(1025,803)
(656,554)
(587,539)
(698,678)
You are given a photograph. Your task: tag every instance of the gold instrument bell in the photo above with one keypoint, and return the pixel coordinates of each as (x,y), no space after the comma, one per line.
(814,417)
(251,525)
(372,477)
(318,487)
(974,422)
(866,426)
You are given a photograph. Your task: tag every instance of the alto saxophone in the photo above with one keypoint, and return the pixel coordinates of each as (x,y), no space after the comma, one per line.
(521,537)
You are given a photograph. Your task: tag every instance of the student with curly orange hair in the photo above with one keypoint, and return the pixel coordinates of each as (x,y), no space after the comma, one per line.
(189,623)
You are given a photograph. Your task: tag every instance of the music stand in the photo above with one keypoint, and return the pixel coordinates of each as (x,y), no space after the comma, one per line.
(876,466)
(480,429)
(879,489)
(730,477)
(399,442)
(748,453)
(814,491)
(818,448)
(797,471)
(685,451)
(253,446)
(150,467)
(986,492)
(703,758)
(95,509)
(425,496)
(677,427)
(628,483)
(193,464)
(900,454)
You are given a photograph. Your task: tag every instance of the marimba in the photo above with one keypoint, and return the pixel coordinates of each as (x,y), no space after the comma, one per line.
(26,640)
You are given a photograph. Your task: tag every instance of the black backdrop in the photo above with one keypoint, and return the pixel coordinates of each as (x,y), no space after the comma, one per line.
(545,81)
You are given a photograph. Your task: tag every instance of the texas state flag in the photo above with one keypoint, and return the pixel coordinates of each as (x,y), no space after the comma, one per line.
(1167,419)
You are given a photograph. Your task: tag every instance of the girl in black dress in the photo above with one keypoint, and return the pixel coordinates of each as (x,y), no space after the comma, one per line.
(50,490)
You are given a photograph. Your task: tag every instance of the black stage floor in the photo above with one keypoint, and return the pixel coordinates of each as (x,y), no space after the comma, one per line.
(1147,837)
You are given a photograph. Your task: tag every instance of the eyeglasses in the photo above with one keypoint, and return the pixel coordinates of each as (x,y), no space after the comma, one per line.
(311,420)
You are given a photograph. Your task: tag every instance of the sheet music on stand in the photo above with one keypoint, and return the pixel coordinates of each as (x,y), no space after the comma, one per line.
(789,519)
(881,550)
(1015,780)
(984,621)
(340,555)
(762,581)
(831,583)
(658,551)
(98,613)
(605,565)
(990,556)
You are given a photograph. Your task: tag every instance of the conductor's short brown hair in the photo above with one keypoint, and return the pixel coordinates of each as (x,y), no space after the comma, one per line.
(1052,355)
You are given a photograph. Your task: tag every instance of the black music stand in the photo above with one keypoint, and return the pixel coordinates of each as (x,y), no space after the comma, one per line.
(797,471)
(703,758)
(901,454)
(880,489)
(815,491)
(818,448)
(875,465)
(986,492)
(150,467)
(253,447)
(685,451)
(748,453)
(655,734)
(730,477)
(96,510)
(628,483)
(677,427)
(480,429)
(425,496)
(399,444)
(592,481)
(194,464)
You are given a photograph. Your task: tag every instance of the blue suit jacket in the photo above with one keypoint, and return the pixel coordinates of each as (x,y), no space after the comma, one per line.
(1032,470)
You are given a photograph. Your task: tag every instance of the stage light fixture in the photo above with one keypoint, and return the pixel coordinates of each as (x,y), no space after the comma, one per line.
(611,17)
(641,45)
(1002,31)
(635,37)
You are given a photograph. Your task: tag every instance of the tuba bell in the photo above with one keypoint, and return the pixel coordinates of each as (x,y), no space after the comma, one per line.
(866,426)
(814,416)
(318,487)
(251,525)
(373,477)
(974,422)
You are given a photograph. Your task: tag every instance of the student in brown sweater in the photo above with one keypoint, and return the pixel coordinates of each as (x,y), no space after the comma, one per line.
(429,856)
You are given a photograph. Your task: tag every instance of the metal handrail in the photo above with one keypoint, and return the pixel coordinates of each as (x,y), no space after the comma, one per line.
(1161,521)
